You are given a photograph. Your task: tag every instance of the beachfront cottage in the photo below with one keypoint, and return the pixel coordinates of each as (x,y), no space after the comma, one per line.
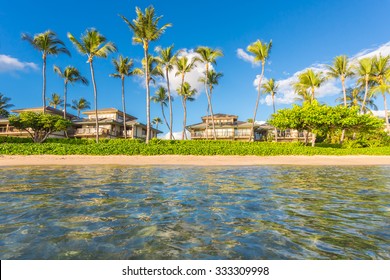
(110,125)
(227,127)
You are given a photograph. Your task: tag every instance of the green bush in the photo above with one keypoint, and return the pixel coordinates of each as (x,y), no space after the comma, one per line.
(162,147)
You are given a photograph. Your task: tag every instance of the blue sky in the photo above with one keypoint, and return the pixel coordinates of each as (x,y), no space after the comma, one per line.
(304,33)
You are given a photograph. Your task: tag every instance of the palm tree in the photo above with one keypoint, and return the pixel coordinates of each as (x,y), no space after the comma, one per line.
(167,60)
(341,69)
(261,51)
(271,87)
(365,71)
(382,81)
(70,75)
(160,96)
(157,121)
(123,67)
(55,100)
(308,82)
(186,94)
(145,29)
(212,80)
(4,105)
(152,68)
(209,56)
(355,97)
(184,66)
(80,105)
(48,44)
(93,44)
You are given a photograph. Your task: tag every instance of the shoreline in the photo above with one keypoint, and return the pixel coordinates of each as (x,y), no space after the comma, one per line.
(180,160)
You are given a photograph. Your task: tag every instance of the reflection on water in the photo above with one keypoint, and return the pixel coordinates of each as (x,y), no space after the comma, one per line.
(110,212)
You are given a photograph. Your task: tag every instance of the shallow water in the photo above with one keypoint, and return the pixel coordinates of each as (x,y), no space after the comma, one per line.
(267,212)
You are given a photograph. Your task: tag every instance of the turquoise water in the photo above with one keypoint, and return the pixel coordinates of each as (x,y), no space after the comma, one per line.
(111,212)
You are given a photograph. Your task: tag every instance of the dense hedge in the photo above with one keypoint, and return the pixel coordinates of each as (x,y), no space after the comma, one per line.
(161,147)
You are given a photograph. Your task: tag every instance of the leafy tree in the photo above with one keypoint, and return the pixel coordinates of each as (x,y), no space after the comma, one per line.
(145,28)
(55,100)
(39,126)
(93,44)
(4,105)
(70,75)
(123,67)
(261,51)
(209,56)
(160,96)
(48,44)
(80,105)
(167,59)
(186,93)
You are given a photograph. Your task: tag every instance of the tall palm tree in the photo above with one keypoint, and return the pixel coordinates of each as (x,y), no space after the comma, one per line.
(184,66)
(341,69)
(186,94)
(80,105)
(153,69)
(382,81)
(167,59)
(209,56)
(93,44)
(212,80)
(48,44)
(4,105)
(55,100)
(70,75)
(156,121)
(145,28)
(365,72)
(309,81)
(261,51)
(271,87)
(160,96)
(124,68)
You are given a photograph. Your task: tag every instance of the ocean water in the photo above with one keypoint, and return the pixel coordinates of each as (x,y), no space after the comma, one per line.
(267,212)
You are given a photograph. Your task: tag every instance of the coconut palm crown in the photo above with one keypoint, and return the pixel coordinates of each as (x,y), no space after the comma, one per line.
(80,105)
(93,44)
(161,97)
(187,94)
(271,87)
(48,44)
(309,81)
(71,75)
(365,72)
(146,29)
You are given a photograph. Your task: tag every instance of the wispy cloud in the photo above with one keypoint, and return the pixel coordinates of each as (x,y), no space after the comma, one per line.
(241,54)
(331,87)
(11,64)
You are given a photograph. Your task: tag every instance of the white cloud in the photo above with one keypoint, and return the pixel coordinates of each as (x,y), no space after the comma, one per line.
(286,94)
(177,135)
(11,64)
(379,113)
(241,54)
(192,77)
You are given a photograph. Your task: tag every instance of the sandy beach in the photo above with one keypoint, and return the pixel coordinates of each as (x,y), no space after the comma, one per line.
(191,160)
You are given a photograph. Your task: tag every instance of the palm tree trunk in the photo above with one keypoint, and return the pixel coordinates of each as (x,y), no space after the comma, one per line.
(212,115)
(386,112)
(95,100)
(273,105)
(257,102)
(313,139)
(184,136)
(345,105)
(165,119)
(365,95)
(65,92)
(124,107)
(44,84)
(146,49)
(170,104)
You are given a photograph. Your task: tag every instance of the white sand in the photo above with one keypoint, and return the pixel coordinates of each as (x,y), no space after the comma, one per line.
(192,160)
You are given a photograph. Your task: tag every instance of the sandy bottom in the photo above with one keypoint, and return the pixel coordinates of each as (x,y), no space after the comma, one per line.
(192,160)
